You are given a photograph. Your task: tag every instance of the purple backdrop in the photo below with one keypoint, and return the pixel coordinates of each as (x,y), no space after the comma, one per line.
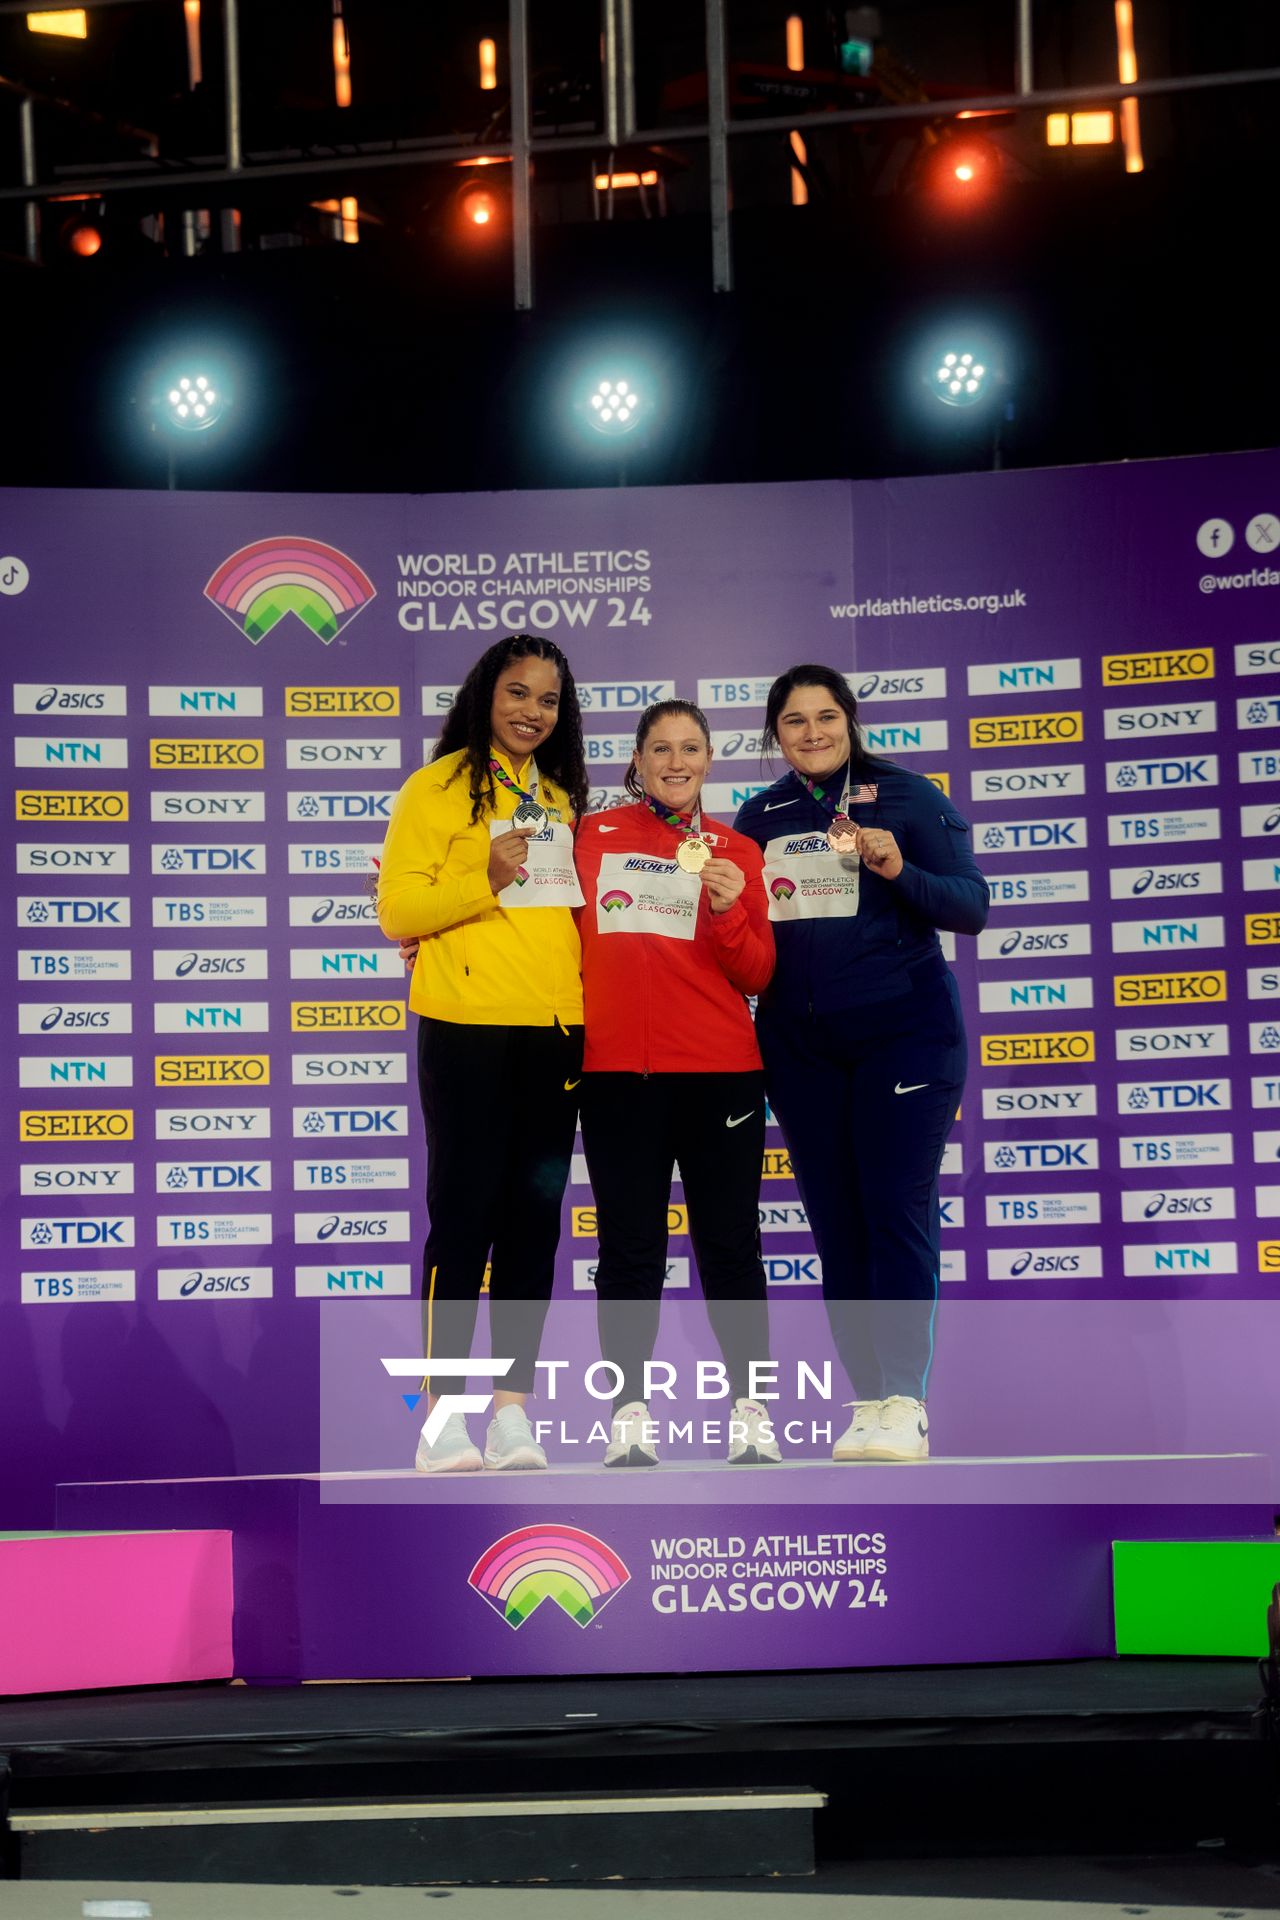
(1086,659)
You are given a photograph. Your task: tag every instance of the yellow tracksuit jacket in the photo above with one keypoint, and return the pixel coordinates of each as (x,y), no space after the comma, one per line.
(479,964)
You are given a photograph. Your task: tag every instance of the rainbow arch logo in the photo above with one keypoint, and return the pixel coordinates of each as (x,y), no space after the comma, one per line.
(612,902)
(782,888)
(548,1562)
(260,584)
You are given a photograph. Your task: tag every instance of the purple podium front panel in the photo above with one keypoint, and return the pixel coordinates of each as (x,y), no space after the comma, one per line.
(397,1576)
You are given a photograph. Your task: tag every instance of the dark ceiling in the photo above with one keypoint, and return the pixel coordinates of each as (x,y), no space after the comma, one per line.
(1135,309)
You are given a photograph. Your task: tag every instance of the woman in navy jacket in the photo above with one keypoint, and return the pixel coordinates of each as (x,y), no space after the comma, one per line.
(861,1034)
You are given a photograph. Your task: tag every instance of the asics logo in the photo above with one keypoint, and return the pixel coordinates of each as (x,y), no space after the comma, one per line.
(741,1117)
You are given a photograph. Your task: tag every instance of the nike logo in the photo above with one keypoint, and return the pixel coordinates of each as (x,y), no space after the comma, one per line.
(916,1089)
(608,829)
(741,1117)
(771,806)
(569,1085)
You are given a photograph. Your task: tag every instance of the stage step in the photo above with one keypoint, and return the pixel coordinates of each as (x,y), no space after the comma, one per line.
(85,1610)
(664,1835)
(1194,1596)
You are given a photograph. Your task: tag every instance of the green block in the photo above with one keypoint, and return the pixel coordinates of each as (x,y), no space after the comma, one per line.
(1193,1596)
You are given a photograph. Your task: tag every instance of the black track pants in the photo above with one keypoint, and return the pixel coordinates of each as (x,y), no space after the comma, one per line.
(634,1128)
(500,1107)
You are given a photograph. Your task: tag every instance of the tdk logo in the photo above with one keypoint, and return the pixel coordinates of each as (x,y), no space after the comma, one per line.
(1018,836)
(1126,776)
(250,858)
(1039,1156)
(81,1232)
(340,806)
(45,911)
(793,1270)
(1173,1096)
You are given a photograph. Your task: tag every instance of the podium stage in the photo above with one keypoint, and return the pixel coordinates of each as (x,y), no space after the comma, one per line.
(681,1569)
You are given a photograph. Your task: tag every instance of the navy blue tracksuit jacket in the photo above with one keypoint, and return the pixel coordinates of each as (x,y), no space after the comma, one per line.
(864,1051)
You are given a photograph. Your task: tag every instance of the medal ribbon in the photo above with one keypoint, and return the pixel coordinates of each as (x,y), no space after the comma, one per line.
(688,823)
(823,794)
(504,779)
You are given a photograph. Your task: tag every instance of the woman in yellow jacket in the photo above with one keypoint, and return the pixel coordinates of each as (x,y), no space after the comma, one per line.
(478,868)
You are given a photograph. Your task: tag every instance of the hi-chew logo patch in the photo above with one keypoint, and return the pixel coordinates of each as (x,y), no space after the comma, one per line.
(258,585)
(566,1565)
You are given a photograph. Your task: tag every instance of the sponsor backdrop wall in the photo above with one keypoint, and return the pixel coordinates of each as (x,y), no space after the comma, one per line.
(211,1132)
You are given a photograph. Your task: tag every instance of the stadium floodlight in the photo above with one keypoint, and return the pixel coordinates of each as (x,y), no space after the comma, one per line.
(959,378)
(193,403)
(615,406)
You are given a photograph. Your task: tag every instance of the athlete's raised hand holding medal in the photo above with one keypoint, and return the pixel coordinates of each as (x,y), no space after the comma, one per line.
(879,850)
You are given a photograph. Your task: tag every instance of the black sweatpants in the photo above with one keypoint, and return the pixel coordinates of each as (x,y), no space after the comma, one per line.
(634,1127)
(866,1098)
(500,1108)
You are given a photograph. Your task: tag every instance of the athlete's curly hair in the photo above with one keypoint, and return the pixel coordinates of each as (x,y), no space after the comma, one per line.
(561,757)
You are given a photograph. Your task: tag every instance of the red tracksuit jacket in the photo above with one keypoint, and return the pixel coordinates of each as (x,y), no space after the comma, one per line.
(656,1004)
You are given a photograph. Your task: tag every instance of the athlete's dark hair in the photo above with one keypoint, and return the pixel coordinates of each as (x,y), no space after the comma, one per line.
(662,710)
(838,687)
(561,757)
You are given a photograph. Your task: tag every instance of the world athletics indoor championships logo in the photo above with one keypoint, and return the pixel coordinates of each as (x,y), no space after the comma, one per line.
(782,889)
(262,583)
(611,902)
(548,1562)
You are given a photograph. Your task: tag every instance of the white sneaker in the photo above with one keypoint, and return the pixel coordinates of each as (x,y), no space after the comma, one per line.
(510,1442)
(854,1441)
(452,1450)
(628,1445)
(903,1432)
(752,1440)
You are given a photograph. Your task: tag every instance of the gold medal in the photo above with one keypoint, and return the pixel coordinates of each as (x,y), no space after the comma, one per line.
(693,853)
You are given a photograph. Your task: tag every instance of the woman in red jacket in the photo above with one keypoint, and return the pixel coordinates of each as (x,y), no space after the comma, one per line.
(675,935)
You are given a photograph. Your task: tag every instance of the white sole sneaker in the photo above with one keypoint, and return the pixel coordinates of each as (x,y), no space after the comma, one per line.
(902,1435)
(468,1460)
(860,1432)
(623,1450)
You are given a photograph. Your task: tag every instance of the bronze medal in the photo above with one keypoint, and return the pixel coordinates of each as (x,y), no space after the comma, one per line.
(842,835)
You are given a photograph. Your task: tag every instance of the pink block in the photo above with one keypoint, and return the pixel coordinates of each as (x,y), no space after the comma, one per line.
(84,1610)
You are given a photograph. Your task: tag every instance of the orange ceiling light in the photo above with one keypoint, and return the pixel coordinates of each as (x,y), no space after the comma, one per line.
(66,23)
(1127,71)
